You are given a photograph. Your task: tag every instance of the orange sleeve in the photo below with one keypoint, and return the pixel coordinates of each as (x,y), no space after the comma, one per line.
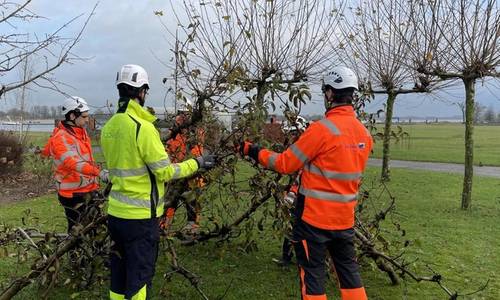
(197,151)
(307,147)
(46,149)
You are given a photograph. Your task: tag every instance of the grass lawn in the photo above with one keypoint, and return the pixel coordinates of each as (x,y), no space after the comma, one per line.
(462,246)
(37,138)
(427,142)
(445,143)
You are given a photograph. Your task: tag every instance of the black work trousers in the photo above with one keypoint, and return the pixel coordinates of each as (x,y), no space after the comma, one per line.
(134,251)
(74,207)
(311,245)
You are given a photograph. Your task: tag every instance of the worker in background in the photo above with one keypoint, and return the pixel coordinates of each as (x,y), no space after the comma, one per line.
(76,173)
(178,148)
(292,132)
(138,169)
(333,153)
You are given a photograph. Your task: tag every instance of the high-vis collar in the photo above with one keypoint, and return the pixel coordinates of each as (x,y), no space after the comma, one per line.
(136,110)
(78,132)
(345,110)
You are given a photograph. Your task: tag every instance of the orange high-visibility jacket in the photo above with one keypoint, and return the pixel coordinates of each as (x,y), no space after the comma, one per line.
(333,153)
(75,169)
(177,151)
(177,147)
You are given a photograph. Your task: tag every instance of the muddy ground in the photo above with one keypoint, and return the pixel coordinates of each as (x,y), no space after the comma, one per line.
(23,186)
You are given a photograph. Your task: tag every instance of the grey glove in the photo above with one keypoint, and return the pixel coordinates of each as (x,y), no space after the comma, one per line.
(104,175)
(206,161)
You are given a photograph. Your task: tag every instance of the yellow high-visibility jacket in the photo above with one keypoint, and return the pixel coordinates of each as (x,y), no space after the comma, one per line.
(137,162)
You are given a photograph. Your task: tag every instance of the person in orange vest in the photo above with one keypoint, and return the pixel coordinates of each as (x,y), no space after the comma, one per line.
(293,132)
(333,153)
(178,149)
(76,173)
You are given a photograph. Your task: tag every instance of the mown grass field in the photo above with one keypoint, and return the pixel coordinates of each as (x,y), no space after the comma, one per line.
(37,138)
(444,143)
(462,246)
(426,142)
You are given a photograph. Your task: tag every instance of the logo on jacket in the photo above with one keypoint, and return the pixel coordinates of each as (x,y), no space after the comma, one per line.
(361,145)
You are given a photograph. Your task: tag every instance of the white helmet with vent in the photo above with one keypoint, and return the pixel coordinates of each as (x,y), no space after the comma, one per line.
(300,124)
(132,75)
(185,105)
(76,104)
(340,78)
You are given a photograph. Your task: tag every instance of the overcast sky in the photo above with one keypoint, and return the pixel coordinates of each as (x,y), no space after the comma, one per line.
(127,31)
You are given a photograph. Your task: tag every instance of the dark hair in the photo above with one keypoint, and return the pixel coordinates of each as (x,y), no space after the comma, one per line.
(76,113)
(127,91)
(341,95)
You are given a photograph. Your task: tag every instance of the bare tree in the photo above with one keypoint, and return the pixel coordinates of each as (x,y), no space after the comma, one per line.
(489,114)
(461,105)
(374,46)
(26,71)
(479,110)
(51,49)
(456,40)
(267,49)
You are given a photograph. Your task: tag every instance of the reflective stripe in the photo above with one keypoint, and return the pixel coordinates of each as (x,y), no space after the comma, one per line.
(116,296)
(71,153)
(76,145)
(70,146)
(298,153)
(130,201)
(177,172)
(272,161)
(329,124)
(322,195)
(79,166)
(73,185)
(128,172)
(332,174)
(159,164)
(66,155)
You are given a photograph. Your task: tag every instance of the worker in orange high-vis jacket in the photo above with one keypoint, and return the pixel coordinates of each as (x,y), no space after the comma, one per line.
(293,132)
(333,153)
(76,173)
(178,149)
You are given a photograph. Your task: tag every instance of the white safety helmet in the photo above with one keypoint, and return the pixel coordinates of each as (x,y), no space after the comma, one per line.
(300,124)
(185,105)
(132,75)
(76,104)
(340,78)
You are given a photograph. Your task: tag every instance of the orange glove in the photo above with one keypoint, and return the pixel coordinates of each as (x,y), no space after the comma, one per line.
(247,148)
(244,147)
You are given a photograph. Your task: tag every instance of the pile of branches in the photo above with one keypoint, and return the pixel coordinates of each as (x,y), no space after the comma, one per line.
(55,257)
(372,247)
(11,150)
(76,259)
(230,201)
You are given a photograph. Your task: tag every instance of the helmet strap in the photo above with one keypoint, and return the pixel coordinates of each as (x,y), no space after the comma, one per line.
(141,100)
(141,96)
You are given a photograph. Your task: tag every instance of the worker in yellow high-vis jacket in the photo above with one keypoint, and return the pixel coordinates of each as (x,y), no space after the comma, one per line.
(138,168)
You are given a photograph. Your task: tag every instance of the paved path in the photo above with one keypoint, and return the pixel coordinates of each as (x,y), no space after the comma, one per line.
(421,165)
(438,167)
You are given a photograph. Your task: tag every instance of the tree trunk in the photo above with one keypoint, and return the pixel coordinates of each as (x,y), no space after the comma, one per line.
(386,153)
(469,142)
(259,113)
